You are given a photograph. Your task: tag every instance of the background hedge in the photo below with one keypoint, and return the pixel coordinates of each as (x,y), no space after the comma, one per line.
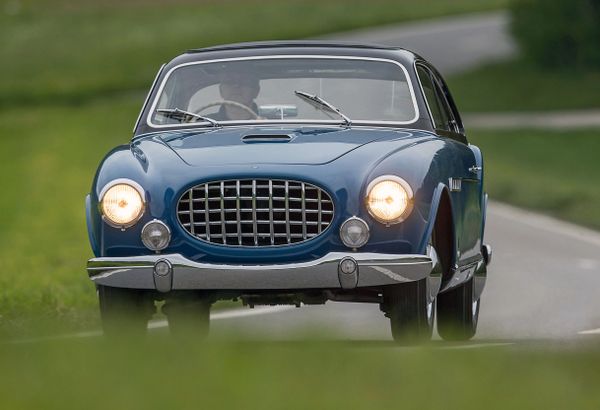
(558,33)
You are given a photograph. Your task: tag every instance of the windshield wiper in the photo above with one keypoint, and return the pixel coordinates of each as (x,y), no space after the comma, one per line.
(318,102)
(185,116)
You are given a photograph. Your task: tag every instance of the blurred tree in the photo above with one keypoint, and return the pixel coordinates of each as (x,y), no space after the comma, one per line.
(558,33)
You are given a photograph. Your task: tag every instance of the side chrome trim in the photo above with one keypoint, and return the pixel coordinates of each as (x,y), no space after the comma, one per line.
(373,270)
(285,56)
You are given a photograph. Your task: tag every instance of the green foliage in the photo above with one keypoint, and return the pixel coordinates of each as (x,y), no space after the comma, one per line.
(519,85)
(548,171)
(165,374)
(558,33)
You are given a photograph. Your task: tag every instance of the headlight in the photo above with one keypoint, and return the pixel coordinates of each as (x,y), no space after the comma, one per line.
(122,204)
(354,233)
(156,235)
(389,199)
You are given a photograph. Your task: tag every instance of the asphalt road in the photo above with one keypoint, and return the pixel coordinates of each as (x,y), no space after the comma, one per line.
(545,276)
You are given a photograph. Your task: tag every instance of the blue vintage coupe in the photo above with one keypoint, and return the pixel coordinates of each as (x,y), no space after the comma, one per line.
(293,173)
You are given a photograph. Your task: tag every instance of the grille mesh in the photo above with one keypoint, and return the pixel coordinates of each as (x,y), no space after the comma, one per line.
(255,212)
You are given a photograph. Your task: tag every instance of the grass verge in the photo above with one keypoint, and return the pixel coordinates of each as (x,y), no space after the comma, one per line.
(519,86)
(549,171)
(161,374)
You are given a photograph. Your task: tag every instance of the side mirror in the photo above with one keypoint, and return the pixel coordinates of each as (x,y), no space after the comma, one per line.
(277,111)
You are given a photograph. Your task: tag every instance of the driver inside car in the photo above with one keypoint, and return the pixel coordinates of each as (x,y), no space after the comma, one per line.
(239,90)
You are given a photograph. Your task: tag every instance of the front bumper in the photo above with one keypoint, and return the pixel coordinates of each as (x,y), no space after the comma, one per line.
(372,269)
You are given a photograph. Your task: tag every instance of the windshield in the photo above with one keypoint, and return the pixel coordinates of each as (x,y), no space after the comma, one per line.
(266,89)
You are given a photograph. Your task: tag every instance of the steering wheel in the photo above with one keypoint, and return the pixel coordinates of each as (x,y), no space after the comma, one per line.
(228,102)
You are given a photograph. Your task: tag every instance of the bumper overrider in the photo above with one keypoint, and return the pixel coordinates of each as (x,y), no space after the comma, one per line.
(334,270)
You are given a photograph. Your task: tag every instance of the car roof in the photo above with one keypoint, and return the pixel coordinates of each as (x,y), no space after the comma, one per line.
(293,44)
(292,47)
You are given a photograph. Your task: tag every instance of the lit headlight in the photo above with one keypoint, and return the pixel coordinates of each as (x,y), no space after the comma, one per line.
(389,199)
(122,204)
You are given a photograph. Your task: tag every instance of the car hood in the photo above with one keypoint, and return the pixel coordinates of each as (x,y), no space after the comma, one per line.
(293,146)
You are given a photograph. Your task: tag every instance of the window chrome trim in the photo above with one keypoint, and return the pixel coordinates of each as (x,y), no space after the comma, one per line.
(285,56)
(139,118)
(419,64)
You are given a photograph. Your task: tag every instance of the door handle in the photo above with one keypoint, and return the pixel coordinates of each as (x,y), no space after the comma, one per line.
(475,169)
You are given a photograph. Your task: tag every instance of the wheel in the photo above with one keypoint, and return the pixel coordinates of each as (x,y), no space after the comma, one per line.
(188,316)
(410,310)
(231,103)
(458,313)
(124,312)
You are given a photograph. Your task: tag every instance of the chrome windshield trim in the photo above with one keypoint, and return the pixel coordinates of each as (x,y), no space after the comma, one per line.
(137,121)
(276,57)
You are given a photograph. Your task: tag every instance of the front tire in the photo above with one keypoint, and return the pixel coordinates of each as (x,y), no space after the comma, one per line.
(410,310)
(188,316)
(124,312)
(458,313)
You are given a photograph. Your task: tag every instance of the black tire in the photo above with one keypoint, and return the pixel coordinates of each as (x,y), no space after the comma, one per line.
(188,317)
(124,312)
(457,313)
(410,312)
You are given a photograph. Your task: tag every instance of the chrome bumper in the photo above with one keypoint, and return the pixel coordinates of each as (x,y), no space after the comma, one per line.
(372,269)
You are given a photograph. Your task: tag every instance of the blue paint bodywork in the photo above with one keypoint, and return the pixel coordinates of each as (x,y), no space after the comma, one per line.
(340,160)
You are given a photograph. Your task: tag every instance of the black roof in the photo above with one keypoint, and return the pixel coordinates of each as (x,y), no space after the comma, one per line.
(293,44)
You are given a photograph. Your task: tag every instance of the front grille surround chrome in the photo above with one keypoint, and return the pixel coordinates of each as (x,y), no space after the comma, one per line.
(255,212)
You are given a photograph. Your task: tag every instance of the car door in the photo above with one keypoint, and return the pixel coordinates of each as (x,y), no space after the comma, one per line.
(464,174)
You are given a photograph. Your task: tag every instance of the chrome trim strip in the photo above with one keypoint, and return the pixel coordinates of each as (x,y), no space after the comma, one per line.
(271,226)
(223,227)
(274,57)
(254,223)
(238,212)
(303,208)
(206,211)
(191,207)
(373,270)
(287,212)
(139,117)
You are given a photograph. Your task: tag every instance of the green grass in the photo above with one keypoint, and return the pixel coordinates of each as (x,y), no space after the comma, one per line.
(162,374)
(519,86)
(70,51)
(553,172)
(50,156)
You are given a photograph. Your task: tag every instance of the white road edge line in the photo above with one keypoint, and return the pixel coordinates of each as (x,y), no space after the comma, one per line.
(229,314)
(545,223)
(589,332)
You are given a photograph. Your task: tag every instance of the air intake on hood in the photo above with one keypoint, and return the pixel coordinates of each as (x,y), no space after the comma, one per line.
(266,138)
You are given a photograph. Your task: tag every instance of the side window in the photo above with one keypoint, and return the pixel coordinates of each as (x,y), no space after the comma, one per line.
(430,95)
(447,117)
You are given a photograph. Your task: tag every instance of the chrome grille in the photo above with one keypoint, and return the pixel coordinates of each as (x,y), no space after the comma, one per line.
(255,212)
